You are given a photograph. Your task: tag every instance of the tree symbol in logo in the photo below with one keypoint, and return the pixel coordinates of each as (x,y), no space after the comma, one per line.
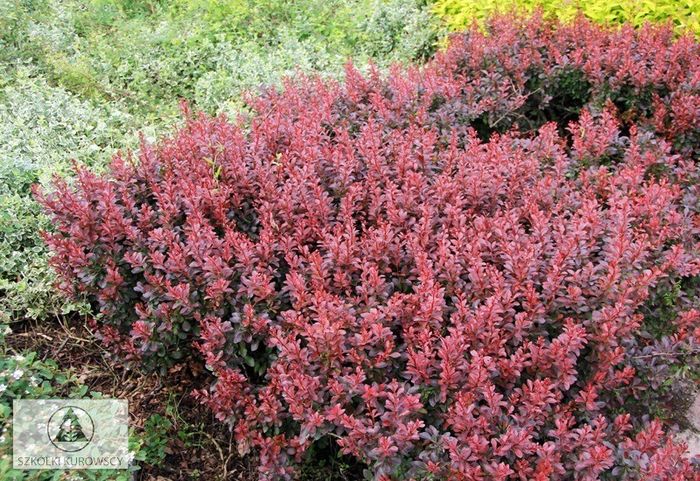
(70,430)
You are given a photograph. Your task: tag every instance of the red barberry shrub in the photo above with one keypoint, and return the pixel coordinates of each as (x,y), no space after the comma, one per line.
(353,262)
(523,73)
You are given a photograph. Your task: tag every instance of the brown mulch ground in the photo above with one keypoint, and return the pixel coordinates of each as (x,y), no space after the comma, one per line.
(198,447)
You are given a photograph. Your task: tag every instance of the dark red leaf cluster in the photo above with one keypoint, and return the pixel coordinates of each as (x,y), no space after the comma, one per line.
(355,261)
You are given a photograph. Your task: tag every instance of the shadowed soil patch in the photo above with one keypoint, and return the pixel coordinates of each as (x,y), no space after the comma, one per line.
(197,446)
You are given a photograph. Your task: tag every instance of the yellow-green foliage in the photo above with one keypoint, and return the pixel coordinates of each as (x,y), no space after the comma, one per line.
(684,14)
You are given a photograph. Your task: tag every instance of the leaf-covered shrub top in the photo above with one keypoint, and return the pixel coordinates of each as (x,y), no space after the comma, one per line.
(449,272)
(683,15)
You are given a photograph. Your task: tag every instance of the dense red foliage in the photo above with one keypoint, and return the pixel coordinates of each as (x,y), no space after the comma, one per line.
(353,262)
(525,74)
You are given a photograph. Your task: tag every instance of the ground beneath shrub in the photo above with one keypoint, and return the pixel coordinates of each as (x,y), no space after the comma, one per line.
(207,452)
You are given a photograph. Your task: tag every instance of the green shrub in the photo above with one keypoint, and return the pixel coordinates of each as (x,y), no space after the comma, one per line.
(26,281)
(143,56)
(15,19)
(395,30)
(683,14)
(41,129)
